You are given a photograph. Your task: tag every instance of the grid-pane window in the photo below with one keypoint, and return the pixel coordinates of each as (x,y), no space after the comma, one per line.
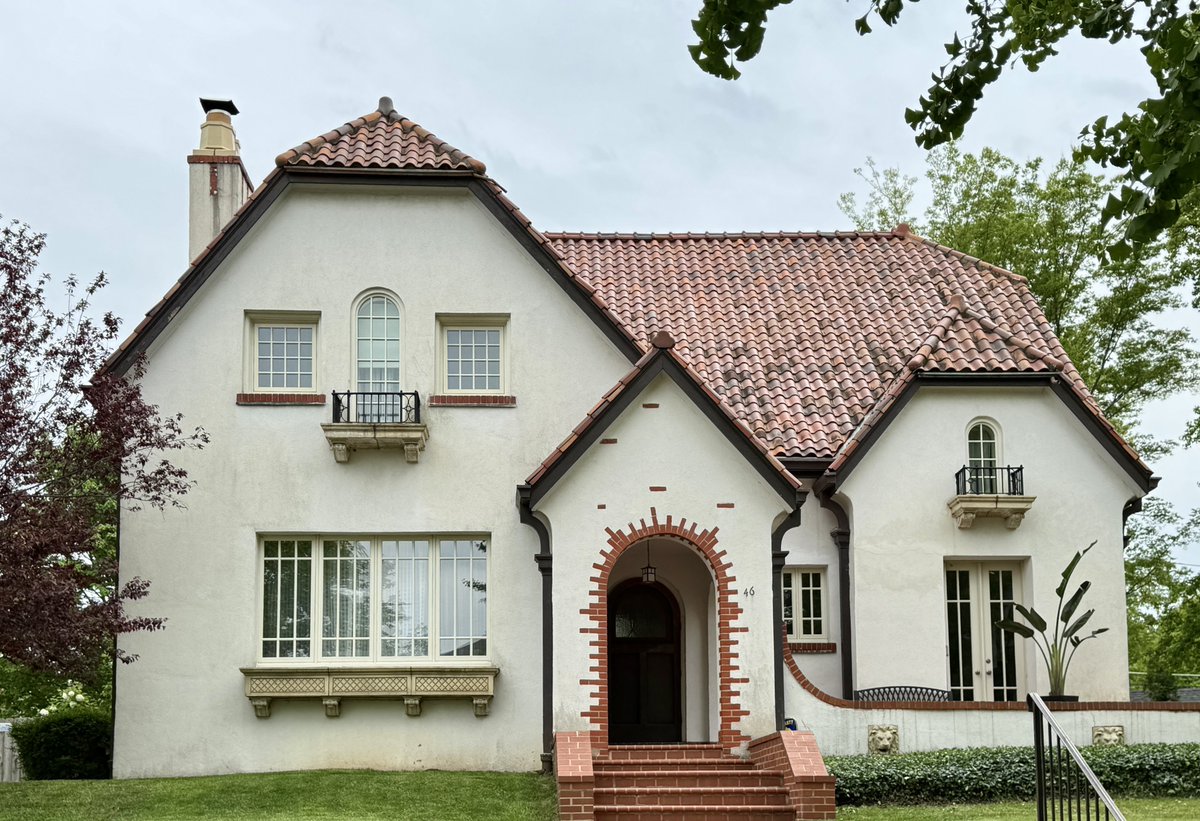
(284,356)
(473,359)
(287,598)
(377,326)
(463,598)
(982,458)
(958,626)
(404,598)
(375,598)
(346,615)
(804,603)
(1004,643)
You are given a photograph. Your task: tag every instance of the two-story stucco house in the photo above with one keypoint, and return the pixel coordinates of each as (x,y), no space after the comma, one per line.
(472,485)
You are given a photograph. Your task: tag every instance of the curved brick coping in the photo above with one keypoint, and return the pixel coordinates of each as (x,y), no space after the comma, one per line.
(986,706)
(730,676)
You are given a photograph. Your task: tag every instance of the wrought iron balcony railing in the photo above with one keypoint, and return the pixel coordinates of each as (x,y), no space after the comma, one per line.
(377,407)
(990,481)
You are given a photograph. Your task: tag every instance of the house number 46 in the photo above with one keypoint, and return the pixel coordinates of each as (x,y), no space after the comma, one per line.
(749,591)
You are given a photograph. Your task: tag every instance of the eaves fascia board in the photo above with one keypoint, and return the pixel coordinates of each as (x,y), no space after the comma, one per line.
(1051,379)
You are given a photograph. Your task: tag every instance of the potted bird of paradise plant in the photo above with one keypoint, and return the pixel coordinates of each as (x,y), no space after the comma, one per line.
(1057,648)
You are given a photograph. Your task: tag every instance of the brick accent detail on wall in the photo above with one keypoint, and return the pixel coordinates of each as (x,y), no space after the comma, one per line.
(575,776)
(811,647)
(608,441)
(471,400)
(281,399)
(795,755)
(649,405)
(990,706)
(730,676)
(658,488)
(725,505)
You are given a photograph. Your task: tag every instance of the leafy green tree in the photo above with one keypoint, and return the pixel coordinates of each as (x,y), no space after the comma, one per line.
(1157,146)
(1154,583)
(1046,223)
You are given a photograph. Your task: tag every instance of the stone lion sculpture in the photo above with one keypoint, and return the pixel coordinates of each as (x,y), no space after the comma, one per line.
(1108,735)
(883,739)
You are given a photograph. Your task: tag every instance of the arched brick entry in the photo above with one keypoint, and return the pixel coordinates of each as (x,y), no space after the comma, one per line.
(729,676)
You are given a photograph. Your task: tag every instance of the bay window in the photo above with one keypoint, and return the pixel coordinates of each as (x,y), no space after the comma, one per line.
(374,599)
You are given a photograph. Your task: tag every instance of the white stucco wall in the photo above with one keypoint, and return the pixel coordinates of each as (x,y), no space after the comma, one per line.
(269,470)
(843,730)
(811,545)
(673,446)
(903,533)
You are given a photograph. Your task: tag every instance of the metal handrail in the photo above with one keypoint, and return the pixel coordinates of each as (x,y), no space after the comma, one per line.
(1006,480)
(1073,803)
(377,407)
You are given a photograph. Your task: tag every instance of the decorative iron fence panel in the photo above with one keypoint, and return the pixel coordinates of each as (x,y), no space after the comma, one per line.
(990,481)
(377,407)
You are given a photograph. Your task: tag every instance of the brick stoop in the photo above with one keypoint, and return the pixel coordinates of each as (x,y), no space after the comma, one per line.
(687,782)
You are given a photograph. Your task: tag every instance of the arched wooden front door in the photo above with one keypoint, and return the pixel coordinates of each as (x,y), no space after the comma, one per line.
(644,681)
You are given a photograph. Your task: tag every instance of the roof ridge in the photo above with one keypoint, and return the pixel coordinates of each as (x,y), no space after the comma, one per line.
(956,306)
(964,257)
(675,235)
(386,113)
(991,326)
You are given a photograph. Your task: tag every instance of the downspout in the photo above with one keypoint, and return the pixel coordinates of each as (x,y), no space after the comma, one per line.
(778,557)
(544,561)
(841,538)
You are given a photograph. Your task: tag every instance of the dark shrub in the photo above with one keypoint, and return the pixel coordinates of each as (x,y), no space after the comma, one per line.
(70,743)
(1007,774)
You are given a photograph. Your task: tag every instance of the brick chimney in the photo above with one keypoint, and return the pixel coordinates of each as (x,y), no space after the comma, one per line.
(217,180)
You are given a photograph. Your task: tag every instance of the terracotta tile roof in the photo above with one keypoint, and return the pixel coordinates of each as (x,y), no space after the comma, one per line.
(381,139)
(803,334)
(661,344)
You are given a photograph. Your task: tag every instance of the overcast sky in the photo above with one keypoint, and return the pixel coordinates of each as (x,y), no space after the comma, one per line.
(591,114)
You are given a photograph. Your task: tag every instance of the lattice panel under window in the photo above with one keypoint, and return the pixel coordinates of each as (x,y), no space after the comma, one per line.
(371,684)
(451,684)
(287,686)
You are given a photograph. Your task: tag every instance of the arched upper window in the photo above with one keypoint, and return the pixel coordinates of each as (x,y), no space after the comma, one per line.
(377,367)
(983,457)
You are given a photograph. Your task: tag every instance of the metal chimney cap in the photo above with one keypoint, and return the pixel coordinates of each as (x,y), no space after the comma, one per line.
(218,105)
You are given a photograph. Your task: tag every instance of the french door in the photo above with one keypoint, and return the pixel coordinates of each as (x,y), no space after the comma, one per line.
(984,662)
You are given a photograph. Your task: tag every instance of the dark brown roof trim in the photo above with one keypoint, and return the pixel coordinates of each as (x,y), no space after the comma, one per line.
(806,467)
(662,362)
(161,315)
(1107,438)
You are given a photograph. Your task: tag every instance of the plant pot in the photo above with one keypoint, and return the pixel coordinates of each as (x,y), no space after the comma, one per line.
(1060,698)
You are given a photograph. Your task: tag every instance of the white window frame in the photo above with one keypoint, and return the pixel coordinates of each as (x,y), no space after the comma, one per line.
(472,322)
(988,485)
(791,581)
(316,601)
(354,338)
(270,319)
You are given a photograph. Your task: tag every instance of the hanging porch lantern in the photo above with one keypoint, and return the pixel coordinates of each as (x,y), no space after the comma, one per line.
(649,572)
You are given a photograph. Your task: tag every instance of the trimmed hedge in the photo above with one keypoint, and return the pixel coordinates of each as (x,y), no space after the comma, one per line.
(65,744)
(1007,774)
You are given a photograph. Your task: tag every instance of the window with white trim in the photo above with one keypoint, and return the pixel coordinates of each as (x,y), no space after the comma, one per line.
(377,362)
(983,458)
(473,354)
(281,352)
(382,599)
(804,607)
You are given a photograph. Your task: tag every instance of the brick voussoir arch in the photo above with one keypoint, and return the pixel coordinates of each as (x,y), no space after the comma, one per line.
(729,674)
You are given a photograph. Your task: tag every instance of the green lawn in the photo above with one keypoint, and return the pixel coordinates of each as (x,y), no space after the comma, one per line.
(1134,809)
(292,796)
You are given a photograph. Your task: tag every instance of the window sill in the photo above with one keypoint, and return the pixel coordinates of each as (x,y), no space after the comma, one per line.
(811,647)
(281,399)
(472,400)
(331,685)
(1012,509)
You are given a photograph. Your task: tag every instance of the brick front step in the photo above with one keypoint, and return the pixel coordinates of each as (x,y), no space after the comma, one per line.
(672,764)
(728,778)
(679,752)
(633,812)
(715,797)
